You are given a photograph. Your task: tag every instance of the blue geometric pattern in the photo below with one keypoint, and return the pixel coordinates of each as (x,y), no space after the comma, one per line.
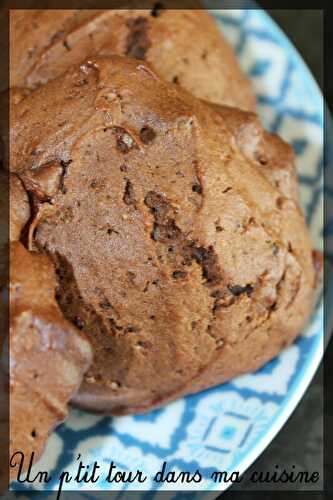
(227,427)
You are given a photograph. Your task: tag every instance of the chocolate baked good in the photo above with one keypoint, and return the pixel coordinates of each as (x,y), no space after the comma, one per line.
(48,355)
(183,46)
(179,253)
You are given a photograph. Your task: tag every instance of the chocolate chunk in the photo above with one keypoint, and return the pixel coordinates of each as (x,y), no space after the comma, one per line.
(156,10)
(105,304)
(129,196)
(196,188)
(137,40)
(238,289)
(179,275)
(147,135)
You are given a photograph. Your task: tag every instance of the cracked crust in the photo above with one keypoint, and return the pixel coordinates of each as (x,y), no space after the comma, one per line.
(164,257)
(45,43)
(48,355)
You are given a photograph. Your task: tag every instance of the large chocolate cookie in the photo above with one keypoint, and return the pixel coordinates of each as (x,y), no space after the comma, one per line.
(184,47)
(180,251)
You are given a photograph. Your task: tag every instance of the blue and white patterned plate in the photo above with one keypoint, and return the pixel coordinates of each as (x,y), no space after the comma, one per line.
(227,427)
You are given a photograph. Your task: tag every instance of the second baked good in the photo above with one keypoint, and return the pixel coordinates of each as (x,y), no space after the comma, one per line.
(48,356)
(183,46)
(181,259)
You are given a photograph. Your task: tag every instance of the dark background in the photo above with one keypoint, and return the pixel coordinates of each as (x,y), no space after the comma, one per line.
(300,442)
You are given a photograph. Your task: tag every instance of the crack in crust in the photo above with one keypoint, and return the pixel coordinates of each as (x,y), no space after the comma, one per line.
(166,231)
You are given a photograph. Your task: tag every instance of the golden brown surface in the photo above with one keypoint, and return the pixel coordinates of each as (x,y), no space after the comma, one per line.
(48,355)
(183,46)
(179,255)
(273,156)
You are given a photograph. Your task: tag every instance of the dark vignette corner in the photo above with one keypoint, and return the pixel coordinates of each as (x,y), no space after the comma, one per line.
(4,259)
